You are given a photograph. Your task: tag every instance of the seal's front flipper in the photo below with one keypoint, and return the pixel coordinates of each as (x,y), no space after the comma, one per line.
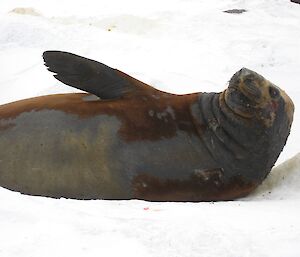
(91,76)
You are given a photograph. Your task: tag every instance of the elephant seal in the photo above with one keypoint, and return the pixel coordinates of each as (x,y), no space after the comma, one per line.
(127,140)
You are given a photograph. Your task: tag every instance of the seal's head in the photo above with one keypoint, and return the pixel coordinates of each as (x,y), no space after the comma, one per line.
(264,114)
(250,95)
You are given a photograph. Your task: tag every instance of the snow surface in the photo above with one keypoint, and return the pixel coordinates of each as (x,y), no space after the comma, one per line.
(179,46)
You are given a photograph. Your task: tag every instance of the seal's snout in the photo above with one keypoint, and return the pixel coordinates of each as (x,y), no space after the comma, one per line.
(252,89)
(248,83)
(244,72)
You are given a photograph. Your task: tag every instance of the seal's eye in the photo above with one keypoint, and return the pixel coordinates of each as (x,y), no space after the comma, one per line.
(274,92)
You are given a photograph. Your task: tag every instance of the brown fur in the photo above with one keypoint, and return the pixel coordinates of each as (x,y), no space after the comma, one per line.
(135,113)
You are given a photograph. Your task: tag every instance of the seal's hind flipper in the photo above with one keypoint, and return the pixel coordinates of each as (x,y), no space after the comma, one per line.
(92,76)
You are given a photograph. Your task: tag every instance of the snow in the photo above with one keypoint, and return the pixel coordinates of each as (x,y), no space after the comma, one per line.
(179,46)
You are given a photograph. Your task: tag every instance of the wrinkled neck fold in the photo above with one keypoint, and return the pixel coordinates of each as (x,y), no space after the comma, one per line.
(231,139)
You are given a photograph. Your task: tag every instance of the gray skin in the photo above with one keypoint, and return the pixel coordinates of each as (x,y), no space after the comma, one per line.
(50,151)
(215,146)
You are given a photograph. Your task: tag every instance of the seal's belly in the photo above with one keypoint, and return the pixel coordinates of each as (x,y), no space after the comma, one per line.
(53,153)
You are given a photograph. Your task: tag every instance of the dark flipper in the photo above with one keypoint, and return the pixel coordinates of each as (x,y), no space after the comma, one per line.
(91,76)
